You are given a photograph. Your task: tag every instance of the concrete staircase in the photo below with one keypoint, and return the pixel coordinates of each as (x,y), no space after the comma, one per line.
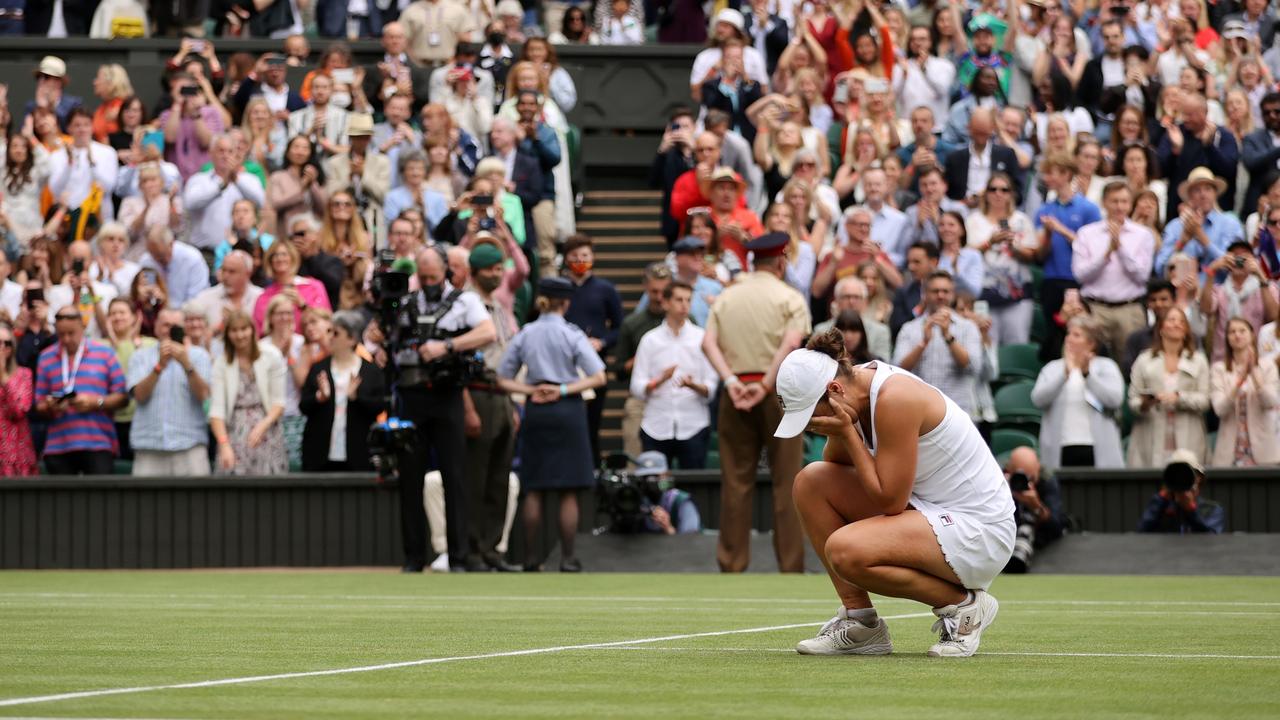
(624,223)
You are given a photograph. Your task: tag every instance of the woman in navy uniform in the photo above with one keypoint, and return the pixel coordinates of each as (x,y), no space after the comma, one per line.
(555,442)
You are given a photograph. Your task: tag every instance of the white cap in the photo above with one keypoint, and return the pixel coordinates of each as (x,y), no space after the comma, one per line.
(802,382)
(732,17)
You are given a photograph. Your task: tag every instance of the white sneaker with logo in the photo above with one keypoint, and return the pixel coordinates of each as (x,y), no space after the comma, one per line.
(842,635)
(961,626)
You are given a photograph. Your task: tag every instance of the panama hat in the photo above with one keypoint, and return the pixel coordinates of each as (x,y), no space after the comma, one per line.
(1198,176)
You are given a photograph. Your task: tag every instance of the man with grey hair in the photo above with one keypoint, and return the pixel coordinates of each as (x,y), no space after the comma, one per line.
(851,294)
(523,172)
(854,247)
(91,297)
(209,195)
(182,267)
(234,292)
(1197,142)
(888,224)
(304,234)
(170,382)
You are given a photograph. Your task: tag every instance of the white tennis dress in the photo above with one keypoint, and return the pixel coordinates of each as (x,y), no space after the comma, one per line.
(960,488)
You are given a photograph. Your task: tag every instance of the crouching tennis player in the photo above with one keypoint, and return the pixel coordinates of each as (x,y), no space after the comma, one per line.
(907,501)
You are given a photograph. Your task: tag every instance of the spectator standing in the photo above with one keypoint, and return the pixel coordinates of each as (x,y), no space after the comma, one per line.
(341,398)
(675,381)
(1245,292)
(538,139)
(25,174)
(732,90)
(922,218)
(1197,143)
(1008,243)
(1168,394)
(79,384)
(88,297)
(1080,394)
(620,28)
(1160,297)
(954,256)
(51,83)
(1057,221)
(1178,507)
(1201,230)
(575,30)
(268,80)
(1112,260)
(17,452)
(413,191)
(170,382)
(244,233)
(543,55)
(648,315)
(1244,393)
(689,258)
(490,417)
(180,265)
(322,121)
(126,338)
(941,347)
(597,310)
(675,157)
(209,195)
(148,208)
(889,225)
(298,187)
(283,262)
(304,235)
(33,321)
(82,176)
(851,296)
(235,292)
(968,169)
(844,259)
(434,28)
(247,402)
(923,79)
(189,125)
(752,327)
(110,266)
(908,299)
(395,74)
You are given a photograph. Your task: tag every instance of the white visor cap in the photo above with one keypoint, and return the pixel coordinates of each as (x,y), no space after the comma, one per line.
(802,382)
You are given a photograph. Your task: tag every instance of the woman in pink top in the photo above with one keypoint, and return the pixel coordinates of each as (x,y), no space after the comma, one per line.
(17,453)
(282,263)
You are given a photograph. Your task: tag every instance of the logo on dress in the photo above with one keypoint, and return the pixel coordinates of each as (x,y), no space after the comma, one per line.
(946,520)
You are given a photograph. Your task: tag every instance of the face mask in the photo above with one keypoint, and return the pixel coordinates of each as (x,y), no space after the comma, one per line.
(340,99)
(433,292)
(488,284)
(495,38)
(579,267)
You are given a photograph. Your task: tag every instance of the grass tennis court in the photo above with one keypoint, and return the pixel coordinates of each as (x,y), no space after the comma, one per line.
(661,646)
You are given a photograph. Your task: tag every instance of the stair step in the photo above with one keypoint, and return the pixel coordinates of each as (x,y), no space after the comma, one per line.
(633,210)
(632,256)
(616,225)
(655,240)
(623,195)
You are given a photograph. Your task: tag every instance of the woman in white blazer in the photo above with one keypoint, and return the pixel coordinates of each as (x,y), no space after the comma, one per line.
(1245,393)
(1080,395)
(248,402)
(1168,393)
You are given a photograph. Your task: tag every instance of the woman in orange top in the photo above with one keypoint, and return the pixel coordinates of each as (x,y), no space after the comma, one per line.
(112,85)
(862,51)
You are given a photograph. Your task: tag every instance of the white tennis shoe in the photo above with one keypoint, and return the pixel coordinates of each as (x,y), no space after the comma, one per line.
(842,635)
(961,627)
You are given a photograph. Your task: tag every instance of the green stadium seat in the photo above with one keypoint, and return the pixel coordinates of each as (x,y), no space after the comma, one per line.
(1004,440)
(1015,409)
(1037,279)
(120,466)
(1019,362)
(1039,331)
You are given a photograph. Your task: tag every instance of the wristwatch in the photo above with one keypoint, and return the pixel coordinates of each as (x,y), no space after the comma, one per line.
(448,345)
(101,402)
(949,338)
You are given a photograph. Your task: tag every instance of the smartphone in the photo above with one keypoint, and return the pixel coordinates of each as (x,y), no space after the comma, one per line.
(153,138)
(63,396)
(177,333)
(1071,295)
(189,91)
(77,266)
(346,76)
(197,46)
(982,308)
(841,94)
(482,200)
(1004,225)
(34,295)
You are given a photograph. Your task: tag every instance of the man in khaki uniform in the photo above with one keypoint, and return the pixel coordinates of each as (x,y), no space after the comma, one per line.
(434,28)
(753,325)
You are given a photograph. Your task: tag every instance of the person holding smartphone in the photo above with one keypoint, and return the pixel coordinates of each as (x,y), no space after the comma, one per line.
(1245,292)
(170,382)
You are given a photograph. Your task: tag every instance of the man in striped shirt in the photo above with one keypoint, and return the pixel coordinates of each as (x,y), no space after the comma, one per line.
(79,384)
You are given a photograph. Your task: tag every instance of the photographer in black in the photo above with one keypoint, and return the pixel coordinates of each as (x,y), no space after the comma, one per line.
(438,330)
(1039,507)
(1178,506)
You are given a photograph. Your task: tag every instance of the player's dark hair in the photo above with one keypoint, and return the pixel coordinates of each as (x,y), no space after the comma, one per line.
(831,344)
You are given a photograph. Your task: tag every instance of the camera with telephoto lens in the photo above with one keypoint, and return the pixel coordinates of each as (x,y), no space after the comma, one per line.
(388,441)
(1019,482)
(1179,477)
(623,497)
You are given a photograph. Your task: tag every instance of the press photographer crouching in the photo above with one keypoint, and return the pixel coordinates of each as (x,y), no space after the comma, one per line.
(666,510)
(1178,506)
(1039,508)
(433,339)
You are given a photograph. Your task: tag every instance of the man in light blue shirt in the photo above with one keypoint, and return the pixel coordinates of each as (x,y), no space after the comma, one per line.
(170,383)
(922,218)
(412,167)
(182,266)
(688,256)
(888,224)
(1201,230)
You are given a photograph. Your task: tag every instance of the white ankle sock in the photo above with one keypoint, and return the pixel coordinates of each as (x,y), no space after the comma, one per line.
(866,616)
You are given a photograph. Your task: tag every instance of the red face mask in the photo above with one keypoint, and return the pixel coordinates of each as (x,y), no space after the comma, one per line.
(579,267)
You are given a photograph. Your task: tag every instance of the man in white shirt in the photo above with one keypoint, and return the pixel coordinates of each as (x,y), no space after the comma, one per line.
(91,298)
(923,80)
(234,292)
(675,379)
(322,121)
(84,170)
(210,195)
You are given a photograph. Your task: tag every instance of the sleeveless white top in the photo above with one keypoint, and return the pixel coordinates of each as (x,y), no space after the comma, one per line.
(955,469)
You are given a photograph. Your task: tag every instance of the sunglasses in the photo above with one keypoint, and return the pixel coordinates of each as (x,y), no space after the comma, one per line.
(297,233)
(341,203)
(806,164)
(698,211)
(998,189)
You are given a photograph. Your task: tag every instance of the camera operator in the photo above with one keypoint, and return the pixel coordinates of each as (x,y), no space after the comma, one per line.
(665,509)
(436,326)
(1178,506)
(1039,507)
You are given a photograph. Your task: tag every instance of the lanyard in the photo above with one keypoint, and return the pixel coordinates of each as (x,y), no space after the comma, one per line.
(69,380)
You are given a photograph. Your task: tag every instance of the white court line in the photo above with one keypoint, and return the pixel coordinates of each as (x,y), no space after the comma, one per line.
(411,663)
(1162,656)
